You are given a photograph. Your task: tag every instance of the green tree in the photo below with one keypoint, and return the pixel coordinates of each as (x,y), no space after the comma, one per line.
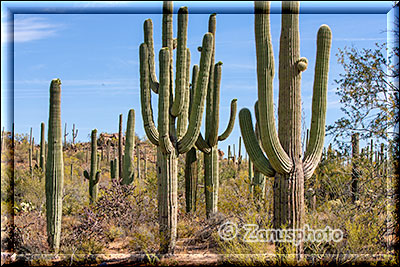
(369,92)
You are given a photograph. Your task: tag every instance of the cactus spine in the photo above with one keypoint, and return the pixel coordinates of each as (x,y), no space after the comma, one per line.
(171,140)
(283,147)
(128,172)
(54,168)
(94,175)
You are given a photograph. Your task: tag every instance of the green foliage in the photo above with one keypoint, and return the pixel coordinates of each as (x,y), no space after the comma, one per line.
(369,93)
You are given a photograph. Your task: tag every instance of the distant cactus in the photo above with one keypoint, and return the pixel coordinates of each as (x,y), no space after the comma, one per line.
(355,169)
(94,175)
(74,134)
(128,173)
(65,135)
(54,168)
(114,170)
(30,152)
(120,161)
(171,139)
(42,159)
(138,162)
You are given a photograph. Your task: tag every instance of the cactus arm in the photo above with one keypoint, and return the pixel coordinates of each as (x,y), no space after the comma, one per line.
(148,39)
(317,131)
(231,122)
(181,64)
(212,115)
(202,145)
(191,136)
(97,177)
(86,174)
(183,118)
(145,94)
(256,155)
(163,102)
(210,124)
(279,160)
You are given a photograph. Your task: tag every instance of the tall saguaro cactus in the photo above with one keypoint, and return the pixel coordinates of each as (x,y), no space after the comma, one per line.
(283,148)
(171,138)
(54,168)
(94,175)
(128,172)
(209,145)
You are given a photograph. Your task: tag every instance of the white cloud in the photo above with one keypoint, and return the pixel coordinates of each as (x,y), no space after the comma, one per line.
(29,29)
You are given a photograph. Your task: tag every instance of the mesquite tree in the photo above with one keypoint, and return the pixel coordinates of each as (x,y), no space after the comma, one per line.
(171,138)
(284,159)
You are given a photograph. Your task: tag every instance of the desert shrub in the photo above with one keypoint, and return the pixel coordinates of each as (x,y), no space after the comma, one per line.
(121,211)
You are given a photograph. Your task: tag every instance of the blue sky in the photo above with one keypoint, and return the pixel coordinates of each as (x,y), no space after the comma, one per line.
(96,57)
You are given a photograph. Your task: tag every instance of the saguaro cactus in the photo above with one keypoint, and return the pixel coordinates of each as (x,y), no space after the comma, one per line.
(137,162)
(355,162)
(283,147)
(74,134)
(94,175)
(209,145)
(42,159)
(54,168)
(30,153)
(170,139)
(128,172)
(65,135)
(114,170)
(120,148)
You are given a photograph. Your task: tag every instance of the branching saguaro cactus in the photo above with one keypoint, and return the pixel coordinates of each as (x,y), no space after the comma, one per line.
(209,145)
(128,172)
(94,175)
(173,135)
(283,147)
(54,168)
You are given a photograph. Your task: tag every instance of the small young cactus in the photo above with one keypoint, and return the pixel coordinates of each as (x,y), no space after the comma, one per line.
(94,175)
